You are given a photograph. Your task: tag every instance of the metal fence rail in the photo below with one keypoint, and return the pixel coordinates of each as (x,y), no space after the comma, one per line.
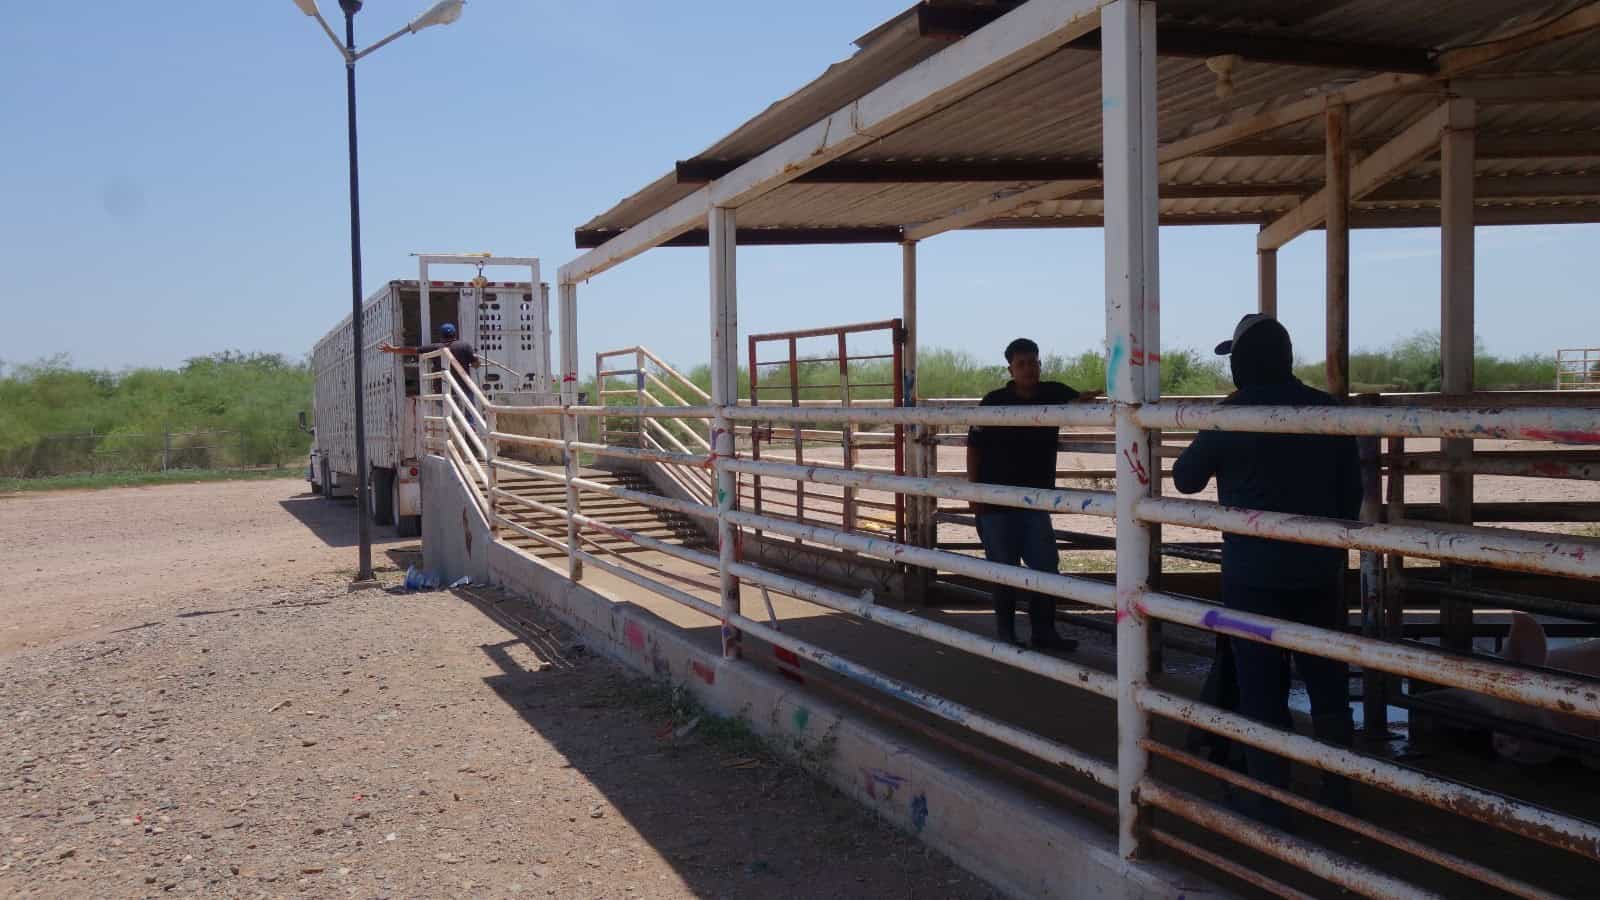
(467,437)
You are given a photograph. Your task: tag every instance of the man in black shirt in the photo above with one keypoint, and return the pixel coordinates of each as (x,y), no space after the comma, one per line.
(1021,457)
(1313,475)
(463,351)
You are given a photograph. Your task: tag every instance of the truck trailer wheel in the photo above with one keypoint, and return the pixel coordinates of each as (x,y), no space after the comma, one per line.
(404,526)
(381,491)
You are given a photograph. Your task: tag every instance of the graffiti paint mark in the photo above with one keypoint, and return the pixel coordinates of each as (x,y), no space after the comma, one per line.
(466,533)
(919,813)
(703,672)
(1113,364)
(1221,621)
(880,784)
(1133,456)
(634,635)
(802,718)
(1563,437)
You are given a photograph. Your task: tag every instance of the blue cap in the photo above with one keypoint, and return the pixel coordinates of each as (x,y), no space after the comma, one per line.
(447,330)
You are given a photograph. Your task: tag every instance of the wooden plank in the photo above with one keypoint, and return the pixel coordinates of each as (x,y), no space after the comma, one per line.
(1267,282)
(1457,338)
(1336,206)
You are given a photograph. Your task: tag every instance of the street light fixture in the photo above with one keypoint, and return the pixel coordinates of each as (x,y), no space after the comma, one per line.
(441,13)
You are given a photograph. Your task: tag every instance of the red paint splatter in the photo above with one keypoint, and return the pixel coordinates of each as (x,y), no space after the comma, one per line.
(786,656)
(1563,437)
(1131,454)
(635,636)
(703,672)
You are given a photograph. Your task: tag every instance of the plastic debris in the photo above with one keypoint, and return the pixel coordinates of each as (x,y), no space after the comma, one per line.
(418,580)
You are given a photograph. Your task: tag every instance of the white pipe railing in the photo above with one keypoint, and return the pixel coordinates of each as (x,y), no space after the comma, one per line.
(1565,425)
(1550,554)
(1547,553)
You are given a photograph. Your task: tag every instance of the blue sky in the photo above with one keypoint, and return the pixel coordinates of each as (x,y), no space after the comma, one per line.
(173,184)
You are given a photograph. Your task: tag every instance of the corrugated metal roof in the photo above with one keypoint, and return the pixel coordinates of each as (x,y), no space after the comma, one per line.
(1051,110)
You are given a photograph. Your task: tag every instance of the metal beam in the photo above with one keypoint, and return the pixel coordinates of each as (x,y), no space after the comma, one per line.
(701,171)
(1575,213)
(758,237)
(954,23)
(1190,42)
(1406,150)
(1494,187)
(995,205)
(1002,48)
(1452,64)
(1553,145)
(1129,135)
(1578,21)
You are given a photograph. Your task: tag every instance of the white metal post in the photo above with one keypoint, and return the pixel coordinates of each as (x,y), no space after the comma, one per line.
(1457,159)
(541,340)
(725,393)
(1127,60)
(426,313)
(491,450)
(568,299)
(638,395)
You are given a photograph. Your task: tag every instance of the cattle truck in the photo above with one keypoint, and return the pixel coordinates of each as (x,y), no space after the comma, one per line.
(507,322)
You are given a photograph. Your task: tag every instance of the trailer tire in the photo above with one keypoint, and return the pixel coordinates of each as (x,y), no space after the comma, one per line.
(404,526)
(381,491)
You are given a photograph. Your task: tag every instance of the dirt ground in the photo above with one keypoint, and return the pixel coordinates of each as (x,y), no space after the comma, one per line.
(196,703)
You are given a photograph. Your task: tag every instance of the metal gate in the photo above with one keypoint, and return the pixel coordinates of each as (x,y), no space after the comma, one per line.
(846,391)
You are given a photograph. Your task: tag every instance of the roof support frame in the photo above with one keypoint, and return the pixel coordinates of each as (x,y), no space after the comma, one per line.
(1007,45)
(1412,145)
(702,171)
(1191,41)
(1452,64)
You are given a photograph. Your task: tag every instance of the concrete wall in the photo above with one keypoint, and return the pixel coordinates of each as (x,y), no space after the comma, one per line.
(1023,847)
(455,535)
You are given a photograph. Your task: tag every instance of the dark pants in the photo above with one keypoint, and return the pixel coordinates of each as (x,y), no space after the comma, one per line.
(1264,689)
(1011,536)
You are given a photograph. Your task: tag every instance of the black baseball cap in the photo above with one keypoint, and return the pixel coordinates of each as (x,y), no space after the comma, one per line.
(1250,321)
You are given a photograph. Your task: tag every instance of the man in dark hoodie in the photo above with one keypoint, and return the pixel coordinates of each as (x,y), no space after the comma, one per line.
(1316,475)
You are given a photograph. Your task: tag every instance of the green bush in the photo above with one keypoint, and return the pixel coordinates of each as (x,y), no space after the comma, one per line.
(56,420)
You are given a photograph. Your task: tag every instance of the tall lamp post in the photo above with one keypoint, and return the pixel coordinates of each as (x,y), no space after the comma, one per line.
(441,13)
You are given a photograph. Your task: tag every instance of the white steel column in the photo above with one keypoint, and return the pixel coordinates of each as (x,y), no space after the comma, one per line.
(541,339)
(1267,282)
(722,231)
(1128,83)
(568,298)
(1457,158)
(426,312)
(1338,246)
